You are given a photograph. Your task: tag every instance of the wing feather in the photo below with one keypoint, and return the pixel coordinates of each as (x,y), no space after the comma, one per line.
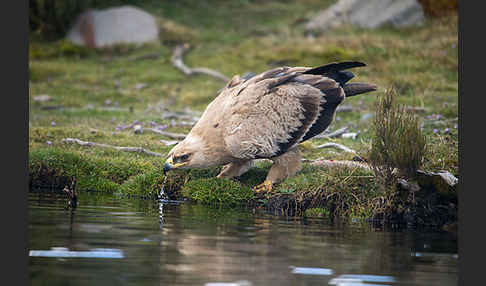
(270,115)
(271,112)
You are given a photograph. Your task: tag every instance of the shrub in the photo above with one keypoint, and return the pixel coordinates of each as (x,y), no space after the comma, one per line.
(397,142)
(438,8)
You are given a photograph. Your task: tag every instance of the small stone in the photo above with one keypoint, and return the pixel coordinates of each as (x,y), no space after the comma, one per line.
(366,116)
(42,98)
(141,85)
(351,135)
(138,129)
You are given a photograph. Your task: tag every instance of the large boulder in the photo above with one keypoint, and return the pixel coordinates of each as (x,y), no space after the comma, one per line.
(118,25)
(368,14)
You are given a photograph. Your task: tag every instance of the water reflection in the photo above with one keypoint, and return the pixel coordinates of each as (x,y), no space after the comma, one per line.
(311,270)
(65,252)
(169,243)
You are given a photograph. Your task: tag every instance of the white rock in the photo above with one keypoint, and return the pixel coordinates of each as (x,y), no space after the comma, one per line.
(118,25)
(351,135)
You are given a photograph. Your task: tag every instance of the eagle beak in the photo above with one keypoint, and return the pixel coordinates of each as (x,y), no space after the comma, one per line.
(169,165)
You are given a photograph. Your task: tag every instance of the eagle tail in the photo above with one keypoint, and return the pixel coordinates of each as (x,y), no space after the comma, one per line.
(336,71)
(334,67)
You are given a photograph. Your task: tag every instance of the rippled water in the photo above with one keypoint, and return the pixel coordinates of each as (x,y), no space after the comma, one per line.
(113,241)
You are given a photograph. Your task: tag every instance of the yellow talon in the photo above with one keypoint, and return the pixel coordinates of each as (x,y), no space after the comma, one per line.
(266,186)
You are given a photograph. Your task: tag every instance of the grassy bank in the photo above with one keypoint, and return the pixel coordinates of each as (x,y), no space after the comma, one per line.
(96,95)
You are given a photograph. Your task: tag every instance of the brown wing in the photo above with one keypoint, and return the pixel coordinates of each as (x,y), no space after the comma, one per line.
(272,112)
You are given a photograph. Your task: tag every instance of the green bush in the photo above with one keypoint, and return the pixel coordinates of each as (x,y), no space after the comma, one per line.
(397,142)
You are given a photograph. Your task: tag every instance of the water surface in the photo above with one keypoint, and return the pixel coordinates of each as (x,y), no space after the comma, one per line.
(113,241)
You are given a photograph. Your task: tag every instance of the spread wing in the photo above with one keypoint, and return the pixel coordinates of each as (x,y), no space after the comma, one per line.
(274,111)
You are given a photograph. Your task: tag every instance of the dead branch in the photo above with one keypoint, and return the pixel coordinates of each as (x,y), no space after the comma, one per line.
(337,146)
(126,149)
(177,62)
(333,134)
(72,194)
(168,143)
(168,134)
(348,164)
(344,108)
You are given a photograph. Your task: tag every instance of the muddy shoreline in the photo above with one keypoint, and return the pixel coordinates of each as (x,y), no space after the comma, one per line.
(425,208)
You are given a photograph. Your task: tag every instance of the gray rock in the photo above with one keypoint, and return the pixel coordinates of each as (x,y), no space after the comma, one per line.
(368,14)
(118,25)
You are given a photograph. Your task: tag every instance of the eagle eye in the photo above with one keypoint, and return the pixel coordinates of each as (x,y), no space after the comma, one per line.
(184,157)
(181,158)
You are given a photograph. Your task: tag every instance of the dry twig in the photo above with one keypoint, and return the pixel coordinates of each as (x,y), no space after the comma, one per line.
(126,149)
(348,164)
(178,63)
(167,134)
(333,134)
(337,146)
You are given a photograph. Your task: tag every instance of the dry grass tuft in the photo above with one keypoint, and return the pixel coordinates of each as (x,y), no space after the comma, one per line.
(397,142)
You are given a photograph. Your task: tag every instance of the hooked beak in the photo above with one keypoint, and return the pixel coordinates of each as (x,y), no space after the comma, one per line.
(169,165)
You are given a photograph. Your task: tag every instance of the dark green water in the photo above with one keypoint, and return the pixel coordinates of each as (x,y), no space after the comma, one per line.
(113,241)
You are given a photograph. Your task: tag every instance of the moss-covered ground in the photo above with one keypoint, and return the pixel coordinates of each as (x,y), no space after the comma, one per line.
(94,93)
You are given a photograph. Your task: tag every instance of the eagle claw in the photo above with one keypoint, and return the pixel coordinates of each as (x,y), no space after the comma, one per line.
(266,186)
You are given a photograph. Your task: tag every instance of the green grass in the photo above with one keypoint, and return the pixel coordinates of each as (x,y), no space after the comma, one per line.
(95,91)
(215,191)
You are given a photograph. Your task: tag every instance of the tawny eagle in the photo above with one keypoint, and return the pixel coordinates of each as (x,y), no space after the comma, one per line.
(266,116)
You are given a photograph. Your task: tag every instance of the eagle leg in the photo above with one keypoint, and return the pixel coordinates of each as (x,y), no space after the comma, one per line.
(235,169)
(284,166)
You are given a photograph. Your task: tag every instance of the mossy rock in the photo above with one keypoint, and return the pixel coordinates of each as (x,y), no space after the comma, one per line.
(216,191)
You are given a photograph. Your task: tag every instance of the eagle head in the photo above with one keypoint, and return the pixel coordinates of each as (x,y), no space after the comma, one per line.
(189,153)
